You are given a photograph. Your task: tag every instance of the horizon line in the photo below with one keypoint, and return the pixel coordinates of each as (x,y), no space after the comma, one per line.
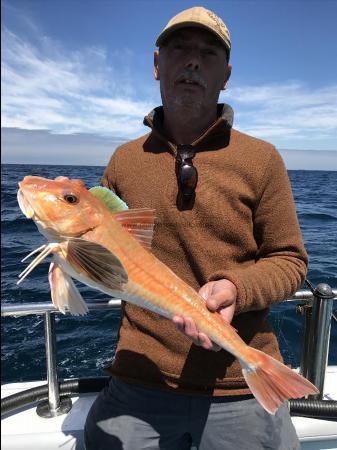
(89,165)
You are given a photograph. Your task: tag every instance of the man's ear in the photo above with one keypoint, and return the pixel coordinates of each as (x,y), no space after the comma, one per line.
(156,65)
(228,72)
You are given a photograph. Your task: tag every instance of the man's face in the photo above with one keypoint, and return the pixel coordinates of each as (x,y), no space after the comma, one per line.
(192,69)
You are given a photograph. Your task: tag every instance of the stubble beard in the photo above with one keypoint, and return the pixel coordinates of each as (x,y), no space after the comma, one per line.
(186,106)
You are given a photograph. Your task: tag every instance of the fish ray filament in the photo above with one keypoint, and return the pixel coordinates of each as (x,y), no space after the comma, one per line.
(50,248)
(33,252)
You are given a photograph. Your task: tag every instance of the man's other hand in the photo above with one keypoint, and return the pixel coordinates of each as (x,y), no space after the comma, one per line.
(220,296)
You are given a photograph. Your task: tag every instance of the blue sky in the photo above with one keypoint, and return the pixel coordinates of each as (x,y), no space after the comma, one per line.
(77,76)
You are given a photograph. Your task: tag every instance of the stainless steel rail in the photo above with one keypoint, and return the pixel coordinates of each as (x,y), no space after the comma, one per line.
(316,308)
(317,324)
(55,405)
(26,309)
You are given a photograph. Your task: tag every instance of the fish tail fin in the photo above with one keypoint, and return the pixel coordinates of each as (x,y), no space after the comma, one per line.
(271,382)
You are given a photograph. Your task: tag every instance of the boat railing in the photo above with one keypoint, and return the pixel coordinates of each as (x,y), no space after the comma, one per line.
(316,306)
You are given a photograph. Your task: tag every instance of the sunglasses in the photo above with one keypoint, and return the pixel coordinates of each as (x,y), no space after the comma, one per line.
(187,175)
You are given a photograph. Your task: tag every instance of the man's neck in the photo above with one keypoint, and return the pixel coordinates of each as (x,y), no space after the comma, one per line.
(185,130)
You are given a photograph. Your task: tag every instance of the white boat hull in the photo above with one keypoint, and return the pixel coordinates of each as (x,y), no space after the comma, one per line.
(24,429)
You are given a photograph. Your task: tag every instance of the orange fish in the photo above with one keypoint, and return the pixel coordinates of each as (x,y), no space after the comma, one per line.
(97,240)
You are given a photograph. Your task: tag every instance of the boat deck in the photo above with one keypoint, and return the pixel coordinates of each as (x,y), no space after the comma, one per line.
(25,429)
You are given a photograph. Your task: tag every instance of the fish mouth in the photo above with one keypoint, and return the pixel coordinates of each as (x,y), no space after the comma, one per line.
(25,207)
(30,213)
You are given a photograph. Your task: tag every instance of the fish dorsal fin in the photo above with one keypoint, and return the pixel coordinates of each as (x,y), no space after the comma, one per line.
(139,223)
(109,198)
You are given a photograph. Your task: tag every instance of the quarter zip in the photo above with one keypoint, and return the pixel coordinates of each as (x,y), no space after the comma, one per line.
(225,119)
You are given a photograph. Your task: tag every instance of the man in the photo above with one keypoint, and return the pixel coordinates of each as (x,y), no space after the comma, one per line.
(226,224)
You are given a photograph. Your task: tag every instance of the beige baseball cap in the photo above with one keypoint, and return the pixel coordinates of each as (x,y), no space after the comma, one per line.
(197,17)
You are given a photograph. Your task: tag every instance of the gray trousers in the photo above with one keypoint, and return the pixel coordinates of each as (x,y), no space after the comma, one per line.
(129,417)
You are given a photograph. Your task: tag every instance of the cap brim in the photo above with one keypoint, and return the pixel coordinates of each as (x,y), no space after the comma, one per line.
(165,33)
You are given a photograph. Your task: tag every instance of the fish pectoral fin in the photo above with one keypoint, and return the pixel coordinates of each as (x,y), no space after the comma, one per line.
(139,223)
(64,293)
(96,262)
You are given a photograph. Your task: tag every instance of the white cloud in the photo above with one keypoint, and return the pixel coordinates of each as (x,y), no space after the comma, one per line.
(287,112)
(47,87)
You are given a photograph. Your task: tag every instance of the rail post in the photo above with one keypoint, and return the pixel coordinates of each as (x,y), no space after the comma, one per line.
(55,405)
(318,346)
(305,309)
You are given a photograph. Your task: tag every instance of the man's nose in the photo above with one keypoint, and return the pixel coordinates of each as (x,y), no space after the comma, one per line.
(193,61)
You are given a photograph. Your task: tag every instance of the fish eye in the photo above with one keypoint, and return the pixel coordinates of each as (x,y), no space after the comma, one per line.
(71,198)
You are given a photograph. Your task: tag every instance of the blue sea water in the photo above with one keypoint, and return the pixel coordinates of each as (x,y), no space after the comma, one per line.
(86,344)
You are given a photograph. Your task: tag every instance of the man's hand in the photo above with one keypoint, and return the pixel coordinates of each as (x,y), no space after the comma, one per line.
(220,296)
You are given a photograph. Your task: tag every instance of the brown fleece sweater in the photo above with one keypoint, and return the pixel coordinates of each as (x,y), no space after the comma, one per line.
(242,227)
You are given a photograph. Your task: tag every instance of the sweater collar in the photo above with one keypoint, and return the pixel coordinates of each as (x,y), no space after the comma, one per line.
(216,135)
